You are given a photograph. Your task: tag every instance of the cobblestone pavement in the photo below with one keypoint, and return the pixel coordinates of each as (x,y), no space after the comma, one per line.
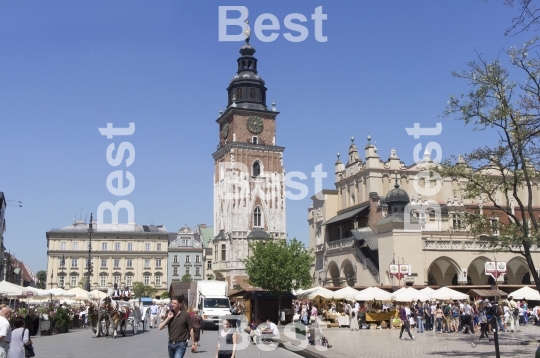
(152,343)
(386,343)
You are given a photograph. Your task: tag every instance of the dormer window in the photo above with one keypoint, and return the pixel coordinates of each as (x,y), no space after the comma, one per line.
(256,170)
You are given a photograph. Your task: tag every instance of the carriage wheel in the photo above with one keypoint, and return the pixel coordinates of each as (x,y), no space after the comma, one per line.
(135,326)
(104,329)
(124,327)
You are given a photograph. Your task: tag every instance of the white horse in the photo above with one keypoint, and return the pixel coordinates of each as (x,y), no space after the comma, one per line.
(118,314)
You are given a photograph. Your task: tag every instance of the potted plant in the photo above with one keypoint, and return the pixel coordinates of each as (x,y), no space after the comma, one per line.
(61,320)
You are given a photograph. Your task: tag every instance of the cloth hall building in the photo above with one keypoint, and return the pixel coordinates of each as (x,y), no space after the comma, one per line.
(361,227)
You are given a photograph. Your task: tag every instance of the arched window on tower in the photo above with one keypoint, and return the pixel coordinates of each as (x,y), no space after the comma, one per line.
(238,93)
(252,93)
(256,168)
(257,217)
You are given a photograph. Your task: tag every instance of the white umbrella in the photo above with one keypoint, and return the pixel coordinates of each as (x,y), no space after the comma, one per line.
(525,293)
(395,293)
(427,291)
(97,294)
(445,293)
(80,294)
(348,293)
(316,291)
(410,294)
(11,290)
(373,293)
(60,293)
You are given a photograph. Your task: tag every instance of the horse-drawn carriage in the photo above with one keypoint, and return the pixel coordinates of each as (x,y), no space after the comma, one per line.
(119,314)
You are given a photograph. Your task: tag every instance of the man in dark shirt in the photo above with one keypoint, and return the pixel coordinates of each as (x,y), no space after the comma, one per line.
(405,322)
(180,330)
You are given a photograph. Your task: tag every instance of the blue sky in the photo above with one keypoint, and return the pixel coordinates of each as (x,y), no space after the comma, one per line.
(69,67)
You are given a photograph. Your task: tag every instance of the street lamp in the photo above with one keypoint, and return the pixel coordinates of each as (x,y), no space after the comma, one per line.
(88,263)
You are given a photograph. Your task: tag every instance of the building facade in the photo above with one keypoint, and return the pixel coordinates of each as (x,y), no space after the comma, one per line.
(249,201)
(185,255)
(376,217)
(206,233)
(121,253)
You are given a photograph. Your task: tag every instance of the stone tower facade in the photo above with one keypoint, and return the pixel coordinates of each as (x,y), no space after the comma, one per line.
(249,199)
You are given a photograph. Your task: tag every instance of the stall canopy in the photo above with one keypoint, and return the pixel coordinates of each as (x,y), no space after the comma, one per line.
(373,293)
(60,293)
(445,293)
(427,291)
(11,290)
(346,293)
(525,293)
(397,292)
(311,293)
(486,293)
(97,294)
(80,294)
(410,294)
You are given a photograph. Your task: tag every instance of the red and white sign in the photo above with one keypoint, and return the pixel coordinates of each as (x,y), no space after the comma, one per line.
(400,271)
(495,268)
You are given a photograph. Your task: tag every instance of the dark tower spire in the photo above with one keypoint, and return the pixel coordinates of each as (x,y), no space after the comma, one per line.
(247,89)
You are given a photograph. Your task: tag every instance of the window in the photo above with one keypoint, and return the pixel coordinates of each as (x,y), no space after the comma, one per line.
(197,271)
(104,246)
(116,263)
(74,262)
(238,93)
(257,217)
(63,246)
(102,281)
(185,241)
(158,280)
(146,280)
(147,247)
(223,252)
(197,258)
(62,262)
(129,280)
(175,271)
(103,262)
(158,247)
(158,263)
(116,246)
(61,281)
(495,226)
(129,263)
(255,140)
(215,253)
(146,263)
(73,281)
(188,260)
(116,279)
(75,246)
(252,93)
(175,258)
(456,223)
(188,270)
(130,246)
(209,265)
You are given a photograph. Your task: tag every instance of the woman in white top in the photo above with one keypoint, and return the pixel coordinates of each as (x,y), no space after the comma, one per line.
(20,337)
(354,318)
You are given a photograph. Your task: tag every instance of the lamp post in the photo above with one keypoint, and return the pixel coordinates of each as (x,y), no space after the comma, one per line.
(88,263)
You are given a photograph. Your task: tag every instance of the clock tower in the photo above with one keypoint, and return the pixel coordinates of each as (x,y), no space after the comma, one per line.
(249,179)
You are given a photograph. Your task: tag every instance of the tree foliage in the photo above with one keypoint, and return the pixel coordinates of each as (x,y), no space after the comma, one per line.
(164,295)
(279,266)
(41,275)
(186,278)
(529,16)
(140,290)
(502,175)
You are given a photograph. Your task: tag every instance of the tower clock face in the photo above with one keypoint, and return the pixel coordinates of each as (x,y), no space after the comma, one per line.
(225,130)
(254,124)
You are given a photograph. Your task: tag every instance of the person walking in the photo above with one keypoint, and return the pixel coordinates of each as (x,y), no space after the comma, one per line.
(180,329)
(197,324)
(227,338)
(5,331)
(404,322)
(419,317)
(353,317)
(20,337)
(514,315)
(427,316)
(154,312)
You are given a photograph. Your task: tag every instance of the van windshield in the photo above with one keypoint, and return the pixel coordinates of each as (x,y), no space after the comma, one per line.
(217,303)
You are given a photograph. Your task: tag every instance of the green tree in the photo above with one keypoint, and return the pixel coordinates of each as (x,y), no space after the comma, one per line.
(41,275)
(140,290)
(509,108)
(82,282)
(186,278)
(279,266)
(164,295)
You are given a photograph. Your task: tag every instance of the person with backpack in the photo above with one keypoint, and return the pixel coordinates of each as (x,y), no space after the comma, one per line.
(447,310)
(455,317)
(467,318)
(419,317)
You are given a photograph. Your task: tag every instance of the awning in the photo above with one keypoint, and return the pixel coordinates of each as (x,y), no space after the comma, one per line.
(348,214)
(487,293)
